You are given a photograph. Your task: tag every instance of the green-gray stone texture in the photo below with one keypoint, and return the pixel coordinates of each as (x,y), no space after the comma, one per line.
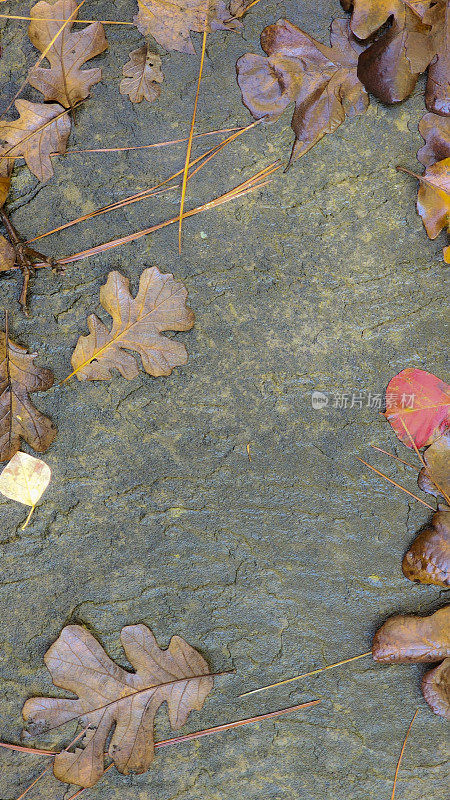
(324,280)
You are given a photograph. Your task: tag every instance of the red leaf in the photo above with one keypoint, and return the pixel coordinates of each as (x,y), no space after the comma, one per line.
(420,401)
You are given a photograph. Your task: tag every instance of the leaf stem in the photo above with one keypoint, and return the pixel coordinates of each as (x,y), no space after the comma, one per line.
(28,517)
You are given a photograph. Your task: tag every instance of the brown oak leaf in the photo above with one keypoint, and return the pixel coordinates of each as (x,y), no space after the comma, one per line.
(436,689)
(320,80)
(410,639)
(170,23)
(64,82)
(160,305)
(110,697)
(19,419)
(40,130)
(390,66)
(142,76)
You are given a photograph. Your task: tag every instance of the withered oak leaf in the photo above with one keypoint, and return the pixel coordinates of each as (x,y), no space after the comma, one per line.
(437,16)
(391,64)
(40,130)
(170,23)
(428,558)
(110,697)
(421,401)
(320,80)
(410,639)
(64,82)
(138,322)
(19,419)
(6,168)
(142,76)
(436,688)
(7,255)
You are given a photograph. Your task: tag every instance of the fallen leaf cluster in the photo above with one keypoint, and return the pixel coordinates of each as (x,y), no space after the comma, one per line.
(418,409)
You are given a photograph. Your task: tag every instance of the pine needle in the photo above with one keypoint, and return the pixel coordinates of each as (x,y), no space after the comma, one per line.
(220,729)
(401,754)
(257,181)
(87,21)
(191,132)
(147,146)
(419,499)
(387,453)
(305,674)
(146,193)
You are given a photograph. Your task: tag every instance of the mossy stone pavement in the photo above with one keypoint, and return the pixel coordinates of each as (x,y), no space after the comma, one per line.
(325,280)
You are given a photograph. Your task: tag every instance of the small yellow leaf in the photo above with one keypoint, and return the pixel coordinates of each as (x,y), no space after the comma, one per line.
(25,479)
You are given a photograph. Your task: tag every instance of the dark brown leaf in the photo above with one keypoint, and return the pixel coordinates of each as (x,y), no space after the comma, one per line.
(390,66)
(142,76)
(170,23)
(19,419)
(437,16)
(41,129)
(428,559)
(160,305)
(436,689)
(65,82)
(411,639)
(109,697)
(436,132)
(321,80)
(435,477)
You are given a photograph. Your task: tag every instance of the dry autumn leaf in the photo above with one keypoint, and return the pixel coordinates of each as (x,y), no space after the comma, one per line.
(19,419)
(428,558)
(411,639)
(436,689)
(40,130)
(421,401)
(6,168)
(434,478)
(171,23)
(64,82)
(25,480)
(160,305)
(320,80)
(390,66)
(435,129)
(437,16)
(142,76)
(108,696)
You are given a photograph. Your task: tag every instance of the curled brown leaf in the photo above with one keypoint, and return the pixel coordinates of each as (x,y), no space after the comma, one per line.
(19,419)
(436,689)
(428,558)
(410,639)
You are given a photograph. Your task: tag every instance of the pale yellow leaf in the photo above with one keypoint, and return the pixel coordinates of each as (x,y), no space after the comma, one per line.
(25,479)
